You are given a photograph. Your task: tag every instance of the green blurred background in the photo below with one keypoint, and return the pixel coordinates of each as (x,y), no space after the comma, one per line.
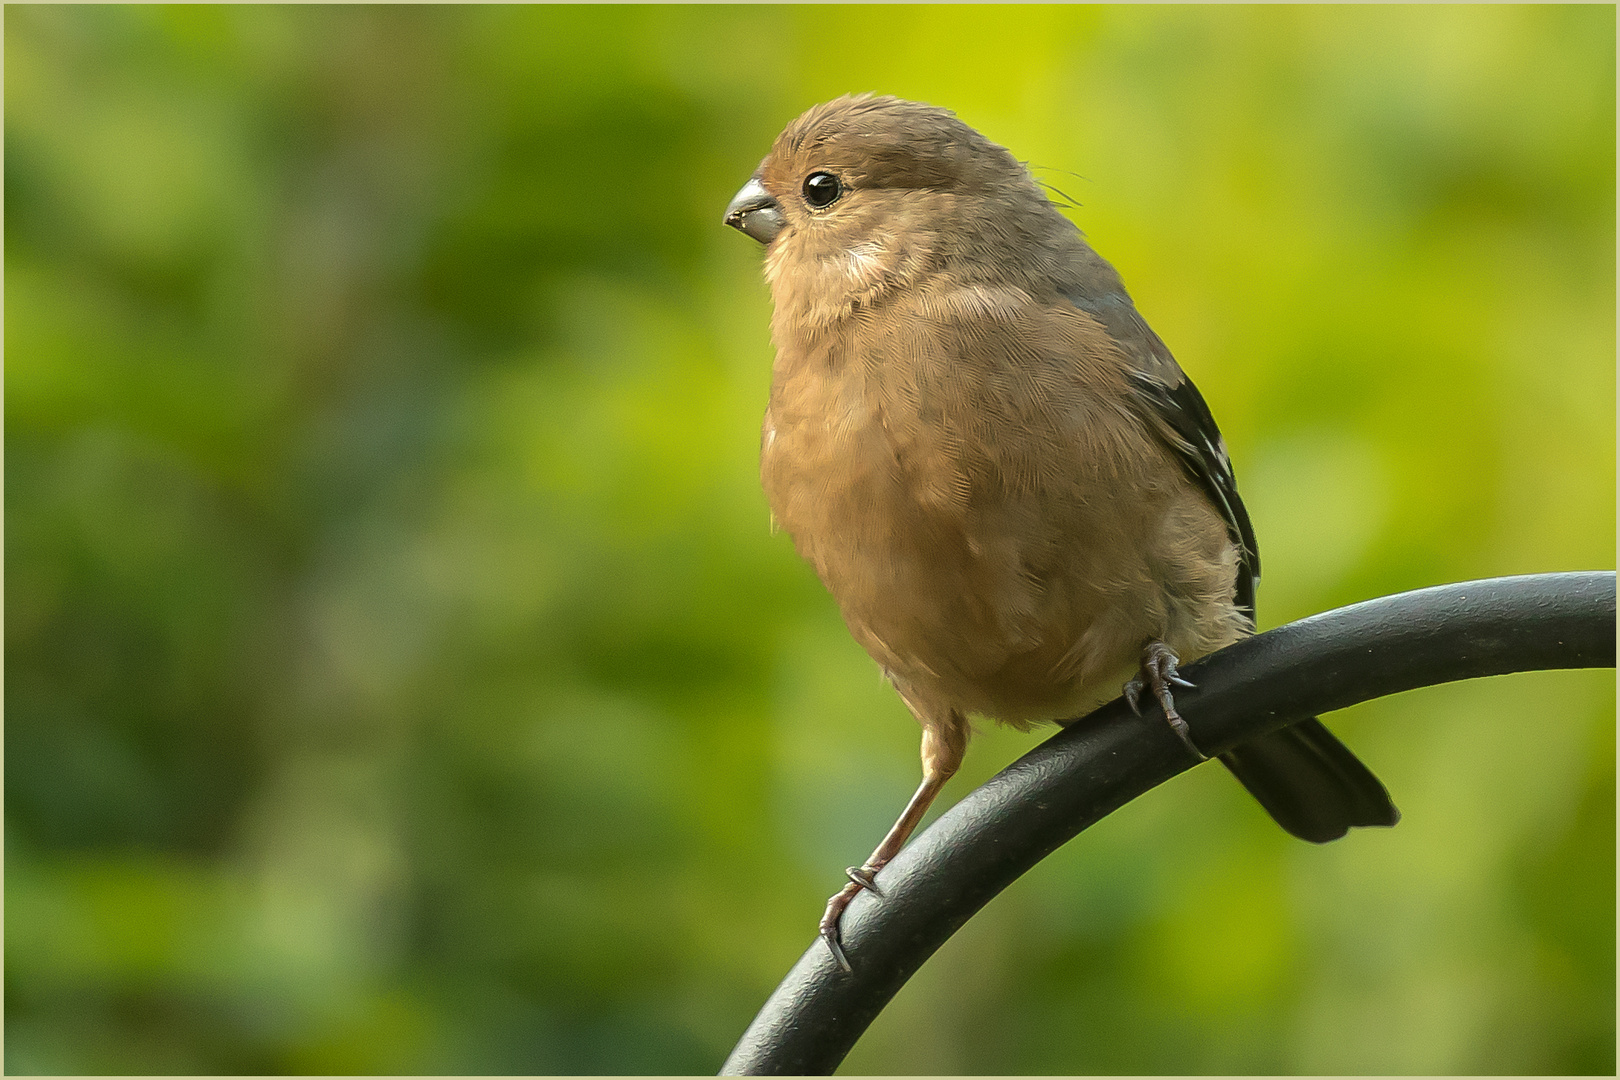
(400,676)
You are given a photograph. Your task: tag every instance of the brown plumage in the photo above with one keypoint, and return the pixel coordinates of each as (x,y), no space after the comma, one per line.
(998,470)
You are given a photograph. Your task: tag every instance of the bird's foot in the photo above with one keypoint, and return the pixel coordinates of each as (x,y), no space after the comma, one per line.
(1157,675)
(860,877)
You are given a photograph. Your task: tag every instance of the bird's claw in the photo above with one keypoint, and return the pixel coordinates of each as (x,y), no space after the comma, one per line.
(1158,674)
(1184,733)
(835,912)
(1133,695)
(865,877)
(830,936)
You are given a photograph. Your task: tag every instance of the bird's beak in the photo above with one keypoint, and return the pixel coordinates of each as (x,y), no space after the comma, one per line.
(755,213)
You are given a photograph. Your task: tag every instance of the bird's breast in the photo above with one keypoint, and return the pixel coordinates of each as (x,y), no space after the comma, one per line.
(907,526)
(846,464)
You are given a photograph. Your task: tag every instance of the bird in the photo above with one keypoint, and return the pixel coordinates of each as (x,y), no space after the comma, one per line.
(1020,502)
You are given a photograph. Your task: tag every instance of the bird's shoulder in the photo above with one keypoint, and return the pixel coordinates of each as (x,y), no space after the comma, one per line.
(989,336)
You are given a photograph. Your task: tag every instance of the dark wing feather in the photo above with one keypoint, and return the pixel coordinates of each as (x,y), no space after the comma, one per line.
(1176,410)
(1203,455)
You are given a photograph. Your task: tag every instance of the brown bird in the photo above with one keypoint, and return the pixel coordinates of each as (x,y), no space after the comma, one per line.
(1014,493)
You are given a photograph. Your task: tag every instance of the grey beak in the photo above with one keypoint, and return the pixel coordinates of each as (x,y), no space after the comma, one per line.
(755,213)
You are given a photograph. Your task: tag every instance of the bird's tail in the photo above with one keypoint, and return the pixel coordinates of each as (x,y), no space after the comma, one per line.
(1310,783)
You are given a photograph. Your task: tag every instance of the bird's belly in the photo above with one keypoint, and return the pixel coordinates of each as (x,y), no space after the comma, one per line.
(971,599)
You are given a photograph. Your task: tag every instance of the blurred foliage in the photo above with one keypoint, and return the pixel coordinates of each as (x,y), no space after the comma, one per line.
(400,676)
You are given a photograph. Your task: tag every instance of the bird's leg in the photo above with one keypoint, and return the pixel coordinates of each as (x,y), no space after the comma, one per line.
(1158,674)
(861,877)
(942,752)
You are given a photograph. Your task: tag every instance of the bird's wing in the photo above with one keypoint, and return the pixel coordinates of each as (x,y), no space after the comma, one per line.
(1176,411)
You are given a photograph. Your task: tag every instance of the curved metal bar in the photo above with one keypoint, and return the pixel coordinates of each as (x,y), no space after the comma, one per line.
(1028,810)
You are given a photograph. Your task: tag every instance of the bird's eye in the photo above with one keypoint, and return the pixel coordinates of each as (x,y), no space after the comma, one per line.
(822,189)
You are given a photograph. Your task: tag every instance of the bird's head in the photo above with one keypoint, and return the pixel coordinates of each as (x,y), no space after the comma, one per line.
(864,194)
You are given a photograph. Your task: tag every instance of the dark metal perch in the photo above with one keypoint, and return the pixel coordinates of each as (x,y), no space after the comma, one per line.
(1035,805)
